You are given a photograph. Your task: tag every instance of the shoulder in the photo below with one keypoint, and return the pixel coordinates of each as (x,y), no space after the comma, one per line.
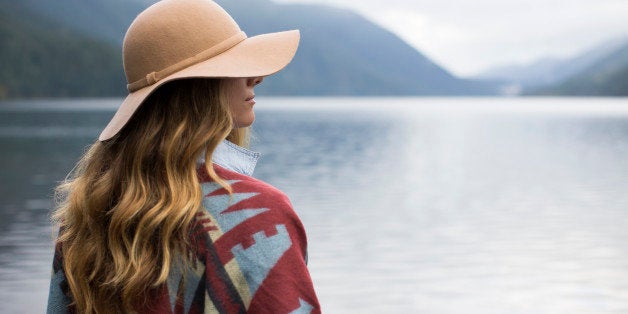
(253,206)
(254,242)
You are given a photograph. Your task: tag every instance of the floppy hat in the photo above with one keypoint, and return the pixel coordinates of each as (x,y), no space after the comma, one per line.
(175,39)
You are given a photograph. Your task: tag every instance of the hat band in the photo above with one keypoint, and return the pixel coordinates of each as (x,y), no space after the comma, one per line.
(154,77)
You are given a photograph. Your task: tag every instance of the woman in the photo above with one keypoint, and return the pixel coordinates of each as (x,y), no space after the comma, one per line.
(161,214)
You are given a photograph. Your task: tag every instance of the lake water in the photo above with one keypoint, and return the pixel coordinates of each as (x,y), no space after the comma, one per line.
(412,205)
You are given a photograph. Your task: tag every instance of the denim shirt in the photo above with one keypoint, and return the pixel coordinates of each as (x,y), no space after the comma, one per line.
(235,158)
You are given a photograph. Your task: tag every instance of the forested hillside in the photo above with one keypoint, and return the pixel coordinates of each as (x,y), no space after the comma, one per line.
(40,58)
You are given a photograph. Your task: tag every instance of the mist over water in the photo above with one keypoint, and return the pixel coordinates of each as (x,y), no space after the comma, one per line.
(430,205)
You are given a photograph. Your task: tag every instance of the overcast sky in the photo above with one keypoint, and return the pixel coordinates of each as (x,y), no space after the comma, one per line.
(468,36)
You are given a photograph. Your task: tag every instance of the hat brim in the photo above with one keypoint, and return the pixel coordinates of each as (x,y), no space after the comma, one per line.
(260,55)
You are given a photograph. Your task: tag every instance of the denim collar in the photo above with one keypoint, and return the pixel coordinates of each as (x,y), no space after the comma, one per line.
(235,158)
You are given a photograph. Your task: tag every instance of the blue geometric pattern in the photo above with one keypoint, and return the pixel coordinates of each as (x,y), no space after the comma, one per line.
(210,187)
(257,260)
(304,308)
(191,281)
(217,204)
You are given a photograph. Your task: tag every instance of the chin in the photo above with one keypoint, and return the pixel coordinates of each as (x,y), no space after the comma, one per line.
(250,120)
(245,123)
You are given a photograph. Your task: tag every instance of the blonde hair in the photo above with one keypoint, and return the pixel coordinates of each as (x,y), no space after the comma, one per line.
(125,211)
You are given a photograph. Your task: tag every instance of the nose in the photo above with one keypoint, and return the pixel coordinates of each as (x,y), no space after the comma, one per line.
(253,81)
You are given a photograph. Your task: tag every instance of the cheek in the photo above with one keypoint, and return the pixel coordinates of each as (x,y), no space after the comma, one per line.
(234,90)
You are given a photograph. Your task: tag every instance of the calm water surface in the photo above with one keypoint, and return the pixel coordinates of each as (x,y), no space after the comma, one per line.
(447,205)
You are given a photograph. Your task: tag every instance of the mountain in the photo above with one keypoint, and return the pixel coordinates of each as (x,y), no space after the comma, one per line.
(41,58)
(606,77)
(549,71)
(341,53)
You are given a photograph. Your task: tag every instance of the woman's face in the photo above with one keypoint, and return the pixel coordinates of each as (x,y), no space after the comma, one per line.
(240,95)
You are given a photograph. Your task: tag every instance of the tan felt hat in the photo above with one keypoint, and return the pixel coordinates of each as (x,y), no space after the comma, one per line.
(175,39)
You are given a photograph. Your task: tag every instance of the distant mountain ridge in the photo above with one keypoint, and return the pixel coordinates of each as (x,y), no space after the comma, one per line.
(548,71)
(606,77)
(341,53)
(572,76)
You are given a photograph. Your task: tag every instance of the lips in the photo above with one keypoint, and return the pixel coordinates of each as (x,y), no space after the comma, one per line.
(250,98)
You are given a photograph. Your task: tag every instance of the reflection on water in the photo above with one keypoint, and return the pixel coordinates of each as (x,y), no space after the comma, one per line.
(38,149)
(411,205)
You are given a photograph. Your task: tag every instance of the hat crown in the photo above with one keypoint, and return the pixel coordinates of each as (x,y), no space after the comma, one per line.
(172,31)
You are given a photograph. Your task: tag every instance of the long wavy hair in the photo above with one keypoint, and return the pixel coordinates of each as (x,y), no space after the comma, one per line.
(125,210)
